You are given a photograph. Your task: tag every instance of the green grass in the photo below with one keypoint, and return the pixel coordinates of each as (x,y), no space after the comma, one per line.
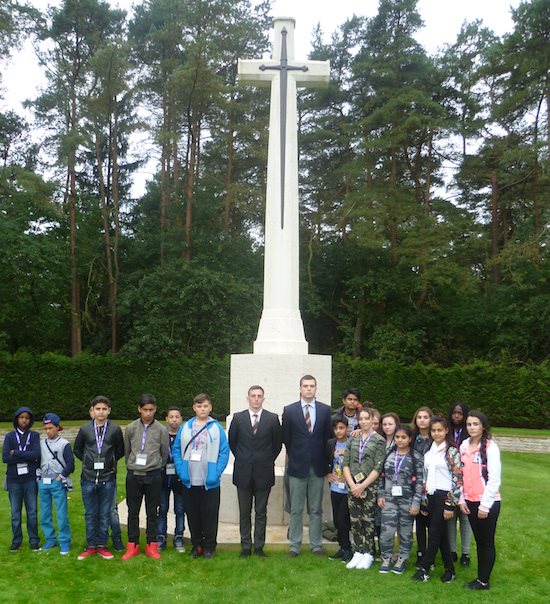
(521,572)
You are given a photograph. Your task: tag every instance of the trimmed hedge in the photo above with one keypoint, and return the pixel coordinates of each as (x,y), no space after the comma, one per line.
(57,383)
(511,395)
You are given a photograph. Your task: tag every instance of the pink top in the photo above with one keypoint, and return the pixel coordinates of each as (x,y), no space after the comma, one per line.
(475,488)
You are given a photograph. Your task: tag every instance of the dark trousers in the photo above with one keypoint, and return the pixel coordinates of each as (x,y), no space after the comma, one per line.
(484,532)
(421,533)
(202,508)
(260,497)
(340,517)
(438,535)
(137,487)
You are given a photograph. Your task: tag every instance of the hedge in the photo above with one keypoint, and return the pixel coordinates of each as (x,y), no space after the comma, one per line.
(511,395)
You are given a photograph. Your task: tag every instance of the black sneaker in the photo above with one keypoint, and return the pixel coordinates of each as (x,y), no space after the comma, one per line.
(35,547)
(14,547)
(339,555)
(448,577)
(464,560)
(347,556)
(197,552)
(477,585)
(209,554)
(420,575)
(118,546)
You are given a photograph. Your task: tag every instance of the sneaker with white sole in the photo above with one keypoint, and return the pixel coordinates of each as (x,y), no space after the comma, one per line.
(448,576)
(399,566)
(385,566)
(420,575)
(357,558)
(366,562)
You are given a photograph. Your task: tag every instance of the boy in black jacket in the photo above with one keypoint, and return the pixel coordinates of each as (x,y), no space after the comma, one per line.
(99,445)
(21,453)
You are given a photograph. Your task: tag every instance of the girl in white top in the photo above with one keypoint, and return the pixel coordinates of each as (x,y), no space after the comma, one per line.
(443,479)
(480,497)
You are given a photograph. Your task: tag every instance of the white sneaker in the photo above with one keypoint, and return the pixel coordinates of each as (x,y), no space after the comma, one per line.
(366,562)
(355,561)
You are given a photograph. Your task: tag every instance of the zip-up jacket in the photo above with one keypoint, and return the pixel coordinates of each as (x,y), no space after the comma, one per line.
(85,448)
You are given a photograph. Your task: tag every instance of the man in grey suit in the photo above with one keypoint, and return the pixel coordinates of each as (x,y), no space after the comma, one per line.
(255,439)
(307,426)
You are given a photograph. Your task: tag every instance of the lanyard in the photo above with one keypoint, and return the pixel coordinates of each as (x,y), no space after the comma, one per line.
(144,436)
(24,447)
(362,446)
(398,464)
(99,440)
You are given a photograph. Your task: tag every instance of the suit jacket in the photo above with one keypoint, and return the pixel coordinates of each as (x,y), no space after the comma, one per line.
(255,454)
(306,450)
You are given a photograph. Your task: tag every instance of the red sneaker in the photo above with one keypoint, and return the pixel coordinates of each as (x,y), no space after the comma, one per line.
(104,553)
(152,550)
(90,551)
(132,549)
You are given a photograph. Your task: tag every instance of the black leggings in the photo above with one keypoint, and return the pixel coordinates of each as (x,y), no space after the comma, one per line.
(438,535)
(484,532)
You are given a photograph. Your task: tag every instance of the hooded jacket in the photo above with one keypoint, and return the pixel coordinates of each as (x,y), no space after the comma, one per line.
(21,448)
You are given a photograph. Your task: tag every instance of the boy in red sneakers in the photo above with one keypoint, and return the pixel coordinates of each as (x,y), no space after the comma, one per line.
(99,446)
(146,446)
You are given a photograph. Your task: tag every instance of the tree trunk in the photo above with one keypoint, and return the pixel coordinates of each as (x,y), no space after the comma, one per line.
(494,227)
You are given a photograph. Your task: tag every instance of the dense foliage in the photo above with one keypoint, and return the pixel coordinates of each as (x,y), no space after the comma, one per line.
(424,186)
(512,395)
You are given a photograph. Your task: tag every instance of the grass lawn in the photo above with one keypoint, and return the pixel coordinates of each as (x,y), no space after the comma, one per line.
(521,574)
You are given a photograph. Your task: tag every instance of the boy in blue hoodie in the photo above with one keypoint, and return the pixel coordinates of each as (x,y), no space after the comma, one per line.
(201,453)
(21,454)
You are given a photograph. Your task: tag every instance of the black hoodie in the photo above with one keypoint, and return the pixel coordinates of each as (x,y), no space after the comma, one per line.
(21,451)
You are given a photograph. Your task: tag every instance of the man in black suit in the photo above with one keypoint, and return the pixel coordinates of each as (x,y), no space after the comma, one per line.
(307,426)
(255,439)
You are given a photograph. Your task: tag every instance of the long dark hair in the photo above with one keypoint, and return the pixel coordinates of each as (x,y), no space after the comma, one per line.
(485,437)
(441,419)
(416,430)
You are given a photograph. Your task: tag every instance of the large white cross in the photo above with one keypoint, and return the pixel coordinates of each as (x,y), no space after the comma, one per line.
(281,330)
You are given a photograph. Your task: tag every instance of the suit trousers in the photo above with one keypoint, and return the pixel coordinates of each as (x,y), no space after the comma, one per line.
(310,488)
(260,497)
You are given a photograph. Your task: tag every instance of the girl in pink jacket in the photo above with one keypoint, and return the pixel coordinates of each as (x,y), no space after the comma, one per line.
(479,497)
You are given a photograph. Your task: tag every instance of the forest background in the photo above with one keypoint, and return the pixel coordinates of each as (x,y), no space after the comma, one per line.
(424,188)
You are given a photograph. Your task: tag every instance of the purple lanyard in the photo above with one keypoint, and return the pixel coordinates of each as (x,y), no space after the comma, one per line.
(362,446)
(196,433)
(144,436)
(24,448)
(398,464)
(458,434)
(100,440)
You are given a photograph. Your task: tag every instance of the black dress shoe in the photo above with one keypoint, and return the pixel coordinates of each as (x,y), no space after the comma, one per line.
(260,552)
(246,553)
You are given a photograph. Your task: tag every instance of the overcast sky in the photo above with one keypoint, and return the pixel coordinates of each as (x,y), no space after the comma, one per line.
(442,21)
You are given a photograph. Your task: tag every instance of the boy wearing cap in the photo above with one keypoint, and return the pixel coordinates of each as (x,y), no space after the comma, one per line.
(56,465)
(99,446)
(21,454)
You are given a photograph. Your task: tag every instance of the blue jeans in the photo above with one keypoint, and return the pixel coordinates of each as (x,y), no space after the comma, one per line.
(56,493)
(116,533)
(177,489)
(24,492)
(98,500)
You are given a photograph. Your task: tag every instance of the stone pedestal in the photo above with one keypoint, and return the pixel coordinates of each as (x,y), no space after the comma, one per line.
(279,375)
